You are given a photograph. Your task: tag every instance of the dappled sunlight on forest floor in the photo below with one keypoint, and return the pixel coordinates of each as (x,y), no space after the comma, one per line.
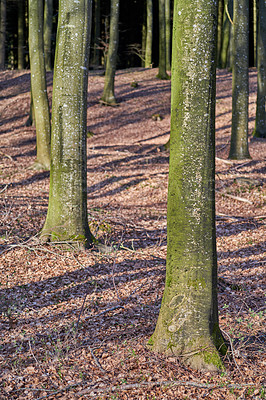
(75,324)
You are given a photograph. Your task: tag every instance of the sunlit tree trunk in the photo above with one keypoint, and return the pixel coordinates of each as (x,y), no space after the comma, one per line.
(47,33)
(38,84)
(188,321)
(21,16)
(168,34)
(67,217)
(108,96)
(260,123)
(162,74)
(149,33)
(240,81)
(2,34)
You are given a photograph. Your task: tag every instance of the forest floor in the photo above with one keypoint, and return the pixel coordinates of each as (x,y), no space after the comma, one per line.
(74,325)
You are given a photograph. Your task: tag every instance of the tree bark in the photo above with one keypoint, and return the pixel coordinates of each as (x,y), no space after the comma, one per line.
(162,74)
(240,81)
(220,31)
(2,34)
(67,217)
(21,16)
(168,34)
(38,84)
(97,33)
(149,33)
(108,96)
(47,33)
(260,122)
(188,321)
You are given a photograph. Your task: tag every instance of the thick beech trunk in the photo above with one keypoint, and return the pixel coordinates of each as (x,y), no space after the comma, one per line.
(188,321)
(67,210)
(240,81)
(260,123)
(38,84)
(47,33)
(149,33)
(2,34)
(108,96)
(162,74)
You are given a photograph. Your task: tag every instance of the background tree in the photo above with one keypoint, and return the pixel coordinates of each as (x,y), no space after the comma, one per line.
(162,74)
(240,81)
(38,84)
(47,33)
(168,34)
(21,17)
(67,217)
(188,321)
(2,34)
(108,96)
(260,122)
(96,60)
(149,32)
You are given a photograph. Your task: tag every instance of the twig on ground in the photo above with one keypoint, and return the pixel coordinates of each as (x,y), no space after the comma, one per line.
(233,351)
(237,198)
(224,161)
(6,186)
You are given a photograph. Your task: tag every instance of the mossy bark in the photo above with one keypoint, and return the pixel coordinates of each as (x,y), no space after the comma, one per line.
(168,34)
(162,74)
(188,321)
(67,217)
(38,84)
(108,96)
(240,81)
(149,33)
(21,17)
(2,33)
(47,33)
(260,123)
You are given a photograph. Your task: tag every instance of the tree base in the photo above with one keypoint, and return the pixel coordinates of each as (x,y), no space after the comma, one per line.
(163,77)
(259,134)
(109,103)
(37,166)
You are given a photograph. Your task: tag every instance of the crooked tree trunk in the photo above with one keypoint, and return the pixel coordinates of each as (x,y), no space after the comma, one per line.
(240,81)
(2,34)
(260,123)
(38,84)
(149,33)
(47,33)
(108,96)
(168,34)
(67,217)
(21,17)
(188,321)
(162,74)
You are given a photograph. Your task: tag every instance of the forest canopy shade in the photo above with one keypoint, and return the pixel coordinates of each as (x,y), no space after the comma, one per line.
(188,321)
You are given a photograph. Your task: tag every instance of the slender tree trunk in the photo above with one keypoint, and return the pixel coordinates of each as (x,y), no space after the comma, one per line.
(149,33)
(240,81)
(224,54)
(67,217)
(188,321)
(38,84)
(255,21)
(260,123)
(143,42)
(2,34)
(220,31)
(108,96)
(97,32)
(31,120)
(21,16)
(168,34)
(162,42)
(47,33)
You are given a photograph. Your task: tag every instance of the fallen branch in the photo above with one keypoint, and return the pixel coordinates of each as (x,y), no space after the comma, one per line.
(237,198)
(224,161)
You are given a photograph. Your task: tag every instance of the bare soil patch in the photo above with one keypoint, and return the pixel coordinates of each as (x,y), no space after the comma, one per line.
(74,325)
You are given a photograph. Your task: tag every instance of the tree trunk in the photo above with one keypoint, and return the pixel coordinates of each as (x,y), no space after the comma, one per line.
(97,33)
(260,123)
(162,74)
(67,217)
(224,54)
(188,321)
(149,33)
(108,96)
(240,81)
(2,34)
(21,16)
(47,33)
(168,34)
(220,31)
(38,84)
(143,41)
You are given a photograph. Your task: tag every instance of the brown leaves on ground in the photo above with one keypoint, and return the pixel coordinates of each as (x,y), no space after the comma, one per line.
(76,324)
